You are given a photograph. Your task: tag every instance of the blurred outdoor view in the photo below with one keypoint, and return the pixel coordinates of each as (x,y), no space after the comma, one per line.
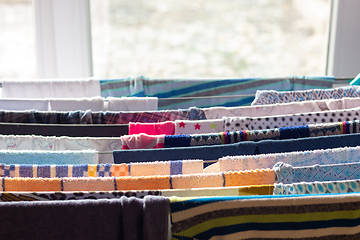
(209,38)
(184,39)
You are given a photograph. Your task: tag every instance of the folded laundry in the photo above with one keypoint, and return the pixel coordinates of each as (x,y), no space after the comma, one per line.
(185,181)
(102,170)
(42,157)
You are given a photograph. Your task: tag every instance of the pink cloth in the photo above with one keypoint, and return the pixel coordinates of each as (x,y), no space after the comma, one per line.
(167,128)
(142,141)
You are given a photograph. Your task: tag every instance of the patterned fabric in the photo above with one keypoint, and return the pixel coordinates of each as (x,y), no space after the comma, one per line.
(271,96)
(313,130)
(198,126)
(33,142)
(51,196)
(349,186)
(168,89)
(102,170)
(269,122)
(296,159)
(89,117)
(271,109)
(286,173)
(327,216)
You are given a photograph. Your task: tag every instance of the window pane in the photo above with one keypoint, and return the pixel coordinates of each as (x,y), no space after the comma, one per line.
(17,39)
(209,38)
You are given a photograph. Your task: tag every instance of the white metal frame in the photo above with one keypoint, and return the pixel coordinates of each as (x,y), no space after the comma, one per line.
(63,38)
(344,49)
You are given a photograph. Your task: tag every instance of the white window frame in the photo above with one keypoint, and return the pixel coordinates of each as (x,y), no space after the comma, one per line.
(63,38)
(63,33)
(344,49)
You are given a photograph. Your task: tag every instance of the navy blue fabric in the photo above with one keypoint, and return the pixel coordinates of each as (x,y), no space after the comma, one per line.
(210,152)
(310,143)
(294,132)
(177,141)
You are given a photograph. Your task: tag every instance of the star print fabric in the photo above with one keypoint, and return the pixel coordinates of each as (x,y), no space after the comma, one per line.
(200,126)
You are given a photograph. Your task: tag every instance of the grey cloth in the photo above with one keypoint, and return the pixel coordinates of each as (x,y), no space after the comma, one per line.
(108,219)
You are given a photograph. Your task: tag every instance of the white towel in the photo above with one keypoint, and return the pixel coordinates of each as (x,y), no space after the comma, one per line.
(72,104)
(132,103)
(24,104)
(51,88)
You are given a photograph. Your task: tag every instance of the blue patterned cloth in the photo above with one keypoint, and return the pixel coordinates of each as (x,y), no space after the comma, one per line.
(287,174)
(349,186)
(272,97)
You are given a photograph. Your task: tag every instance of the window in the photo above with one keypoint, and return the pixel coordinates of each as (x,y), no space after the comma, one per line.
(209,38)
(17,39)
(198,38)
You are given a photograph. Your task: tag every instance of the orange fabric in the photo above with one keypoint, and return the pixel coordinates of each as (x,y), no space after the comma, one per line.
(207,180)
(252,177)
(89,184)
(118,170)
(32,184)
(142,183)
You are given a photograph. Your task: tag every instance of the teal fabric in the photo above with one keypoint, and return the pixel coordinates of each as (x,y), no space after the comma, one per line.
(175,88)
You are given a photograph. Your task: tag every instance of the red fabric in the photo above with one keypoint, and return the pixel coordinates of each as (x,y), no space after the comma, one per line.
(167,128)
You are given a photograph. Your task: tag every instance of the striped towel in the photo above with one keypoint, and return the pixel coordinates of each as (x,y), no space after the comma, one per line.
(330,216)
(175,88)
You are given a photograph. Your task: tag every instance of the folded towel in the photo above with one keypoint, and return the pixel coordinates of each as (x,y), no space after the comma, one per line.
(345,186)
(198,126)
(286,173)
(49,157)
(166,168)
(76,195)
(88,184)
(252,177)
(185,181)
(115,217)
(142,141)
(328,216)
(290,120)
(273,96)
(50,88)
(73,104)
(102,170)
(132,103)
(309,143)
(204,180)
(265,110)
(301,158)
(167,128)
(33,142)
(31,184)
(184,153)
(24,104)
(216,191)
(142,183)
